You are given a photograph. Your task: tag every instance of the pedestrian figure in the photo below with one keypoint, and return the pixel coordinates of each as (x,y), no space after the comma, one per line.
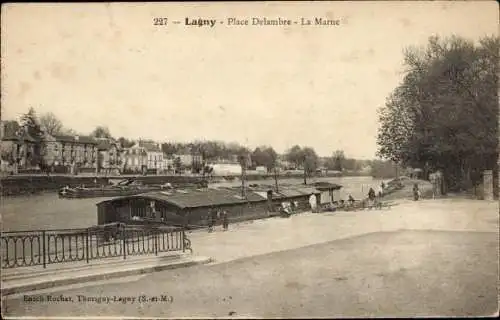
(214,218)
(433,177)
(350,199)
(371,197)
(380,192)
(342,204)
(416,192)
(210,221)
(225,220)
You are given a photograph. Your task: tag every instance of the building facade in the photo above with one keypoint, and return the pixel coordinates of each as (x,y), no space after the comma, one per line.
(18,150)
(135,159)
(144,156)
(109,156)
(70,151)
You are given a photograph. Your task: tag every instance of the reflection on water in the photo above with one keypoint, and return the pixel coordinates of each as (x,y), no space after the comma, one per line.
(48,211)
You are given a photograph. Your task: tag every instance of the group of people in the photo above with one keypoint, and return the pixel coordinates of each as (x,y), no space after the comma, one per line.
(216,215)
(343,204)
(375,198)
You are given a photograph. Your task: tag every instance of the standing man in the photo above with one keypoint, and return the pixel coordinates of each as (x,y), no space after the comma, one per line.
(225,220)
(434,181)
(371,198)
(213,218)
(210,220)
(416,192)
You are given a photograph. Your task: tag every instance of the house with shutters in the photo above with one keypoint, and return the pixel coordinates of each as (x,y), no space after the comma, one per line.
(76,152)
(144,156)
(109,159)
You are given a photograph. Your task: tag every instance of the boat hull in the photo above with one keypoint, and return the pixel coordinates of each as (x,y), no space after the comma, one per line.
(78,193)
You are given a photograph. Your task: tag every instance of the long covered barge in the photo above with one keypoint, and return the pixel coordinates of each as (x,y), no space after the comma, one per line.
(192,208)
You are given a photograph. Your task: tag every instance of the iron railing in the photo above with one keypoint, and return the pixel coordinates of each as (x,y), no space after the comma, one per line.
(43,247)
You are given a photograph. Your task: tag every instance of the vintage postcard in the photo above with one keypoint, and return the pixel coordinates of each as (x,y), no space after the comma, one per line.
(249,159)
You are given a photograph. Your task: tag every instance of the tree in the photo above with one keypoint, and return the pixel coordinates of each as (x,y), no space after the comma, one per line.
(101,132)
(178,165)
(338,160)
(169,148)
(30,121)
(295,156)
(243,156)
(310,162)
(265,156)
(125,143)
(443,115)
(69,132)
(303,157)
(11,127)
(50,124)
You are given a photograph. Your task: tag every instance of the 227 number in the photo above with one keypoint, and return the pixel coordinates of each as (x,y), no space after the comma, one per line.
(160,21)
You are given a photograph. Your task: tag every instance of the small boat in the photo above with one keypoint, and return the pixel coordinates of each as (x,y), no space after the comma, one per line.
(125,187)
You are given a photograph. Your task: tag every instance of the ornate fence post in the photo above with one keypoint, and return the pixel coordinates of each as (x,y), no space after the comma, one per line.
(43,249)
(87,245)
(155,237)
(183,244)
(124,243)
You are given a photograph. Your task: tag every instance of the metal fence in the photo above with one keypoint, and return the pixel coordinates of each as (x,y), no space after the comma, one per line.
(42,247)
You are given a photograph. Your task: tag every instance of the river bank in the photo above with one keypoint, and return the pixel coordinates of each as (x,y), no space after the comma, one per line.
(48,211)
(29,184)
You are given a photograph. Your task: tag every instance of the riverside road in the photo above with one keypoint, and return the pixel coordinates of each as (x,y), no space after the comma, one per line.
(426,258)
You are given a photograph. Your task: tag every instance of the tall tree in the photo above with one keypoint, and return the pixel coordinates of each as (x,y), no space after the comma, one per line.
(310,162)
(443,115)
(50,124)
(31,123)
(295,155)
(101,132)
(11,127)
(338,160)
(306,158)
(126,143)
(265,156)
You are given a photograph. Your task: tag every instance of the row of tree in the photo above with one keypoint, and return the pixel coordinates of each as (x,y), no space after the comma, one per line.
(304,158)
(443,116)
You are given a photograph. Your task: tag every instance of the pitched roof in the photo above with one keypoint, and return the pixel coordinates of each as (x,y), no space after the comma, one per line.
(323,185)
(20,135)
(75,139)
(104,145)
(150,146)
(216,197)
(198,198)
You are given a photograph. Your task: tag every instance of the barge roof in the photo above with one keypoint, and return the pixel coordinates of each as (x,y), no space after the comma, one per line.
(217,196)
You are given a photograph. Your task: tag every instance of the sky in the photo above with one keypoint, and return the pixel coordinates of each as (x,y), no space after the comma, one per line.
(318,86)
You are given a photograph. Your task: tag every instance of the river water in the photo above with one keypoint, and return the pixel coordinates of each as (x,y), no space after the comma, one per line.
(48,211)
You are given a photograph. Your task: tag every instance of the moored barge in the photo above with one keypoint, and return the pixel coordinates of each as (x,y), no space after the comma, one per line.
(192,208)
(125,187)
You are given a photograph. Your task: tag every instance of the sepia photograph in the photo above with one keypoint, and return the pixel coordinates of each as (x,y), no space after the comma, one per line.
(256,160)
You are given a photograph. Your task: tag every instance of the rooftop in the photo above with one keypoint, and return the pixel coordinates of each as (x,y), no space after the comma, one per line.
(75,139)
(218,196)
